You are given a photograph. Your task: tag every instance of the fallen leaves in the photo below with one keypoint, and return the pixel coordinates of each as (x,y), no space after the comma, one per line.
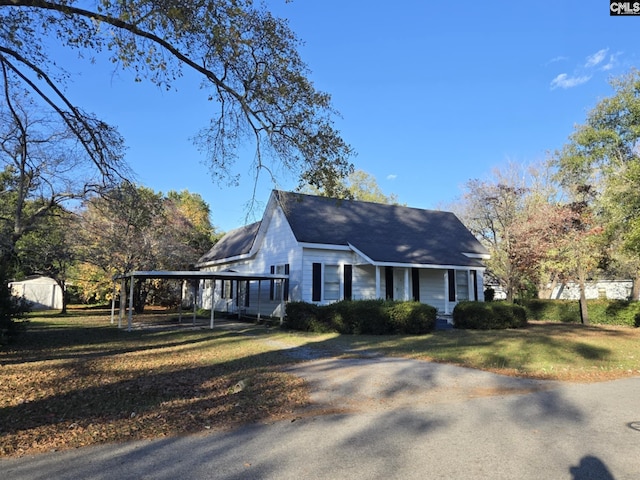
(139,386)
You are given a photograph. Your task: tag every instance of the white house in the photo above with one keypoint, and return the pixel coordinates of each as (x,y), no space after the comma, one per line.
(42,293)
(342,249)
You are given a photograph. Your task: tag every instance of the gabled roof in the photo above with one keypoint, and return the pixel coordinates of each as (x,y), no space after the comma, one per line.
(235,243)
(384,233)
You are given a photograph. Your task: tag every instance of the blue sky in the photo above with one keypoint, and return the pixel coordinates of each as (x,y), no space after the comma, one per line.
(432,94)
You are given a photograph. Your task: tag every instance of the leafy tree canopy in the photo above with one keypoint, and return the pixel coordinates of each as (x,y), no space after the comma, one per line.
(247,59)
(357,185)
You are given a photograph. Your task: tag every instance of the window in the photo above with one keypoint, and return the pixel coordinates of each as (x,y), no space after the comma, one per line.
(331,282)
(276,287)
(462,285)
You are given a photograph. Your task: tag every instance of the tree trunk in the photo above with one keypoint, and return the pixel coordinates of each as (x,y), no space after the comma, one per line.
(635,292)
(63,287)
(584,314)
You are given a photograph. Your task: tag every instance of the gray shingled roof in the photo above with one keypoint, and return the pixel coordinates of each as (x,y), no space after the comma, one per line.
(384,233)
(233,243)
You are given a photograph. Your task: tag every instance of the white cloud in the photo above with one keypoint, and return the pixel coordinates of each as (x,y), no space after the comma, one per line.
(596,58)
(559,58)
(565,81)
(392,176)
(612,61)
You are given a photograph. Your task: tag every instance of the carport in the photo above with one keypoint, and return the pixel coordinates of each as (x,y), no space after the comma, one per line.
(193,276)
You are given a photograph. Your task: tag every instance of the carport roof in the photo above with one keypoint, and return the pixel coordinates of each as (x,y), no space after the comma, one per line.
(200,275)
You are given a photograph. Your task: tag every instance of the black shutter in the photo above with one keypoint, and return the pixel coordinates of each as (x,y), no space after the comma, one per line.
(246,293)
(388,280)
(286,283)
(415,281)
(452,285)
(348,282)
(222,282)
(316,292)
(272,269)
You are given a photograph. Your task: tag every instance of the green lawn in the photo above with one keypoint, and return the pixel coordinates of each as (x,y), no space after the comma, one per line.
(78,380)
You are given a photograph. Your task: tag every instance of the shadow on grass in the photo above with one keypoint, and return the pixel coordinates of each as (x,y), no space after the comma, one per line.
(152,402)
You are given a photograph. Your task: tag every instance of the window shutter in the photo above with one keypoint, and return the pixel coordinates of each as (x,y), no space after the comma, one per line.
(451,276)
(316,292)
(286,283)
(415,281)
(388,280)
(246,293)
(348,282)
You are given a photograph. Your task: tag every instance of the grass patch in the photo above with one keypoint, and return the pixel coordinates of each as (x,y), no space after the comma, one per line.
(553,351)
(74,381)
(77,380)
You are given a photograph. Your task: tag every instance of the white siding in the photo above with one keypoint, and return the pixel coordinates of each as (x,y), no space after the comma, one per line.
(328,258)
(277,246)
(364,282)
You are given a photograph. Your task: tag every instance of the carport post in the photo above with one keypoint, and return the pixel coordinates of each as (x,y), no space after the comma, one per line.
(123,300)
(259,293)
(130,323)
(180,304)
(213,304)
(113,303)
(195,293)
(281,302)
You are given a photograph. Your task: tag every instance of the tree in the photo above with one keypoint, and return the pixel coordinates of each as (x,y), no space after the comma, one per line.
(516,215)
(490,210)
(603,155)
(135,228)
(246,58)
(40,167)
(48,250)
(357,185)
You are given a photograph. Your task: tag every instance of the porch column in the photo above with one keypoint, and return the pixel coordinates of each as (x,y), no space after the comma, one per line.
(406,284)
(446,292)
(377,282)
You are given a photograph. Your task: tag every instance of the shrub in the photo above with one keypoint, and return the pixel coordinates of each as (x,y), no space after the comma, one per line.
(412,317)
(488,315)
(374,317)
(303,316)
(489,294)
(601,312)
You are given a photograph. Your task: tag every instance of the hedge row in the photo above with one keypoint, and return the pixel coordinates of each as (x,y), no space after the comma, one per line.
(602,312)
(489,315)
(376,317)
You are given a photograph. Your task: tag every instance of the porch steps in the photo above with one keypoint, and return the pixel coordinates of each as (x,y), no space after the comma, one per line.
(442,323)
